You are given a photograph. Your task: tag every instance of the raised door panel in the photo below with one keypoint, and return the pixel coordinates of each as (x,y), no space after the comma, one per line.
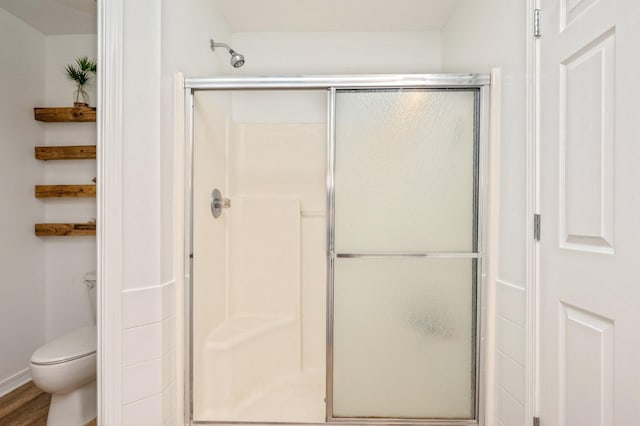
(586,146)
(586,368)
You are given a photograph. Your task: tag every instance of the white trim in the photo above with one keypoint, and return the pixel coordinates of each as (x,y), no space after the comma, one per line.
(178,242)
(532,207)
(12,383)
(483,241)
(492,247)
(109,214)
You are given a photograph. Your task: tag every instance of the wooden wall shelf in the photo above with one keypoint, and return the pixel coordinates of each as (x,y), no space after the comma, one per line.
(65,191)
(77,152)
(65,115)
(62,115)
(64,229)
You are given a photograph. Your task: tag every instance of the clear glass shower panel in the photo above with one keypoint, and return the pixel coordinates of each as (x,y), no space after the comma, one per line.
(405,170)
(258,283)
(404,338)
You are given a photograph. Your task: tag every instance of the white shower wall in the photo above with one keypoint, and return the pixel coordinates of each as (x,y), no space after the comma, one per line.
(280,152)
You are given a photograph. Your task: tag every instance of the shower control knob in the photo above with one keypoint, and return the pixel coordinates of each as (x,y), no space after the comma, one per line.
(218,202)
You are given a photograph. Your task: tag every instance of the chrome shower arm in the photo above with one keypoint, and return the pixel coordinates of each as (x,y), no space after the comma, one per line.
(225,45)
(237,59)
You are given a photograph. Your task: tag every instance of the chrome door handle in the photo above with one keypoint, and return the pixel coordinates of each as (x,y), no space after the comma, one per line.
(218,202)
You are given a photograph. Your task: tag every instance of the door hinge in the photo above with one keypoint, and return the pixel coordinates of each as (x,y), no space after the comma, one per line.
(536,227)
(536,421)
(537,23)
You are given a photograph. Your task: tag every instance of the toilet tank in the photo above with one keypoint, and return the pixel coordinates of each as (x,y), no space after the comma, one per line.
(90,281)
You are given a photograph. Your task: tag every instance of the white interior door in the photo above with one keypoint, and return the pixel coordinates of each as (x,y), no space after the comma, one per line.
(589,300)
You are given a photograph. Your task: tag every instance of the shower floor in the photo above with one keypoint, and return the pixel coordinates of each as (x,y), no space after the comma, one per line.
(293,400)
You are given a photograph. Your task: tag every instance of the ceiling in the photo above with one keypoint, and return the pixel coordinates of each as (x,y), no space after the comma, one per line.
(335,15)
(55,17)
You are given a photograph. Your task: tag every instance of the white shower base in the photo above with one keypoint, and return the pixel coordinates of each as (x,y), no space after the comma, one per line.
(246,355)
(295,399)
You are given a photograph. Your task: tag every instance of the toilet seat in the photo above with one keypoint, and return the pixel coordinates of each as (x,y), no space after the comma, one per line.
(74,345)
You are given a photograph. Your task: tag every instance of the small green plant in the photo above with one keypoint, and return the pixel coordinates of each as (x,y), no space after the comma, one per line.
(80,73)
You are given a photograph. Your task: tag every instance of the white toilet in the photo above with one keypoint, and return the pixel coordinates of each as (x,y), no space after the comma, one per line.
(66,368)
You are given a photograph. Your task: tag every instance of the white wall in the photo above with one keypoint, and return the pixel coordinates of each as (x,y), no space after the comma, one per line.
(482,35)
(22,288)
(44,276)
(68,258)
(283,53)
(143,346)
(159,38)
(187,27)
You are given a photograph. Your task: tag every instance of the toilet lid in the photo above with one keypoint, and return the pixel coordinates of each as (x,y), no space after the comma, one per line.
(73,345)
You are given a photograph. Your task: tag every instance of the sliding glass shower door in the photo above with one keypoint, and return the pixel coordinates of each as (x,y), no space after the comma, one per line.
(404,254)
(399,224)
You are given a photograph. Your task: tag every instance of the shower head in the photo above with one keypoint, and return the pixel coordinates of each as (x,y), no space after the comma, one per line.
(237,59)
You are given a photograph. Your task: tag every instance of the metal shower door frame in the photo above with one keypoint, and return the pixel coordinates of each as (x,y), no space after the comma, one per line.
(331,84)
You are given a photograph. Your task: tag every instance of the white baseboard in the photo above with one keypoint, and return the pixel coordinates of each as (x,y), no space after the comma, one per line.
(14,382)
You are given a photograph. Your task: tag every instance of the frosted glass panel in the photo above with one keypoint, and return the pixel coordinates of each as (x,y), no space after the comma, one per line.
(404,338)
(405,171)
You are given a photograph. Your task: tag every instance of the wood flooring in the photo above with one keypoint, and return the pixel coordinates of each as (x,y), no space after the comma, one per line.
(26,406)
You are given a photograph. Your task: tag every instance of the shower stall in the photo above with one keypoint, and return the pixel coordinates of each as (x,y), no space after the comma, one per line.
(334,249)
